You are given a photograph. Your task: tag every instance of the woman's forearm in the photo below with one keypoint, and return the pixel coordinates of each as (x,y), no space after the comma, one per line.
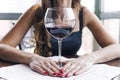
(11,54)
(106,54)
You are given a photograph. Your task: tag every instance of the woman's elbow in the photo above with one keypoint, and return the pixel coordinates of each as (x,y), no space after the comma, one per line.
(2,47)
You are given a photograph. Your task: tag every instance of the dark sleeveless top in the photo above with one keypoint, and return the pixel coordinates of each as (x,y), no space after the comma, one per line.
(70,44)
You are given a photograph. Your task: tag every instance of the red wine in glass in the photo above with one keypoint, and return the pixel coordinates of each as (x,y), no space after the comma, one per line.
(60,32)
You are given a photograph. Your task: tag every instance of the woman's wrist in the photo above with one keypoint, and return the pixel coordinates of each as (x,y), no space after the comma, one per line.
(27,57)
(90,57)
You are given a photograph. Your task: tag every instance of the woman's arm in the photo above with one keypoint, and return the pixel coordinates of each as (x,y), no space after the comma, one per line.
(110,48)
(105,54)
(38,63)
(16,34)
(8,52)
(14,55)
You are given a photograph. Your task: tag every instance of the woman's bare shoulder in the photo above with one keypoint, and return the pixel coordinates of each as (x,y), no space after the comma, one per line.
(88,16)
(34,7)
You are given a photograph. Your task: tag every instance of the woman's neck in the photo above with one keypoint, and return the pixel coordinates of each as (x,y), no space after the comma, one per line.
(65,3)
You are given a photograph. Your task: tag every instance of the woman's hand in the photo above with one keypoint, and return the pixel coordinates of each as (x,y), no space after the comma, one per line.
(44,65)
(77,66)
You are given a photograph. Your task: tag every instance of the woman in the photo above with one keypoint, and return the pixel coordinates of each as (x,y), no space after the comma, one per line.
(45,44)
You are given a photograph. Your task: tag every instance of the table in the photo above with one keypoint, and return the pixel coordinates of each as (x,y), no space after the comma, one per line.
(96,69)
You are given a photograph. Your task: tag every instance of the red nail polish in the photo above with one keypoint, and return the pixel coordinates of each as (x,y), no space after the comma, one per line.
(45,73)
(54,74)
(60,74)
(61,70)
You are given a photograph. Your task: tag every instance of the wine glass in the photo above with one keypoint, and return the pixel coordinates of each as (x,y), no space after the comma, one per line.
(116,77)
(59,23)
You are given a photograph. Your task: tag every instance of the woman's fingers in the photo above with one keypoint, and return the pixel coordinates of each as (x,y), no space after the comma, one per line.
(49,66)
(54,64)
(44,65)
(81,70)
(75,68)
(52,67)
(70,69)
(65,67)
(43,69)
(38,69)
(48,69)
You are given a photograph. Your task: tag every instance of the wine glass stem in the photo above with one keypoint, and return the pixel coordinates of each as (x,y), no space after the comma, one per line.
(59,51)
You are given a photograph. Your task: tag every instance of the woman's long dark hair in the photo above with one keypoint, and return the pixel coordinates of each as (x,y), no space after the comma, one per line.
(42,38)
